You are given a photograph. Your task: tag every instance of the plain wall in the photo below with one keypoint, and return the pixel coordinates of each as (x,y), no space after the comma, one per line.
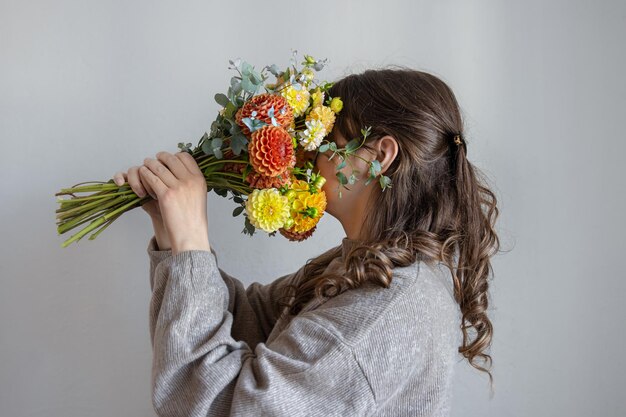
(90,88)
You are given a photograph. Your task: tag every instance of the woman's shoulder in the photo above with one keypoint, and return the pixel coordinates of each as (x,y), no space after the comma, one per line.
(419,295)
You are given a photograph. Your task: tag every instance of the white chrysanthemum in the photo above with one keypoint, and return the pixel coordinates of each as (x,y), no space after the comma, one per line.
(312,136)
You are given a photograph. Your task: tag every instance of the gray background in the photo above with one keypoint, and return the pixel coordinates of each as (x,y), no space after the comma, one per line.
(89,88)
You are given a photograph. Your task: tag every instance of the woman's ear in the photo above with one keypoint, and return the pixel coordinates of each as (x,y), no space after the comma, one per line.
(387,150)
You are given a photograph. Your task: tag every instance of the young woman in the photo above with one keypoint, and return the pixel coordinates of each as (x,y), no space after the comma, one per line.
(371,327)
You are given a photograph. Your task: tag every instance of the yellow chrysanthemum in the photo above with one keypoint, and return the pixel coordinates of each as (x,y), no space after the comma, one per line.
(306,208)
(323,114)
(336,104)
(297,99)
(318,97)
(267,209)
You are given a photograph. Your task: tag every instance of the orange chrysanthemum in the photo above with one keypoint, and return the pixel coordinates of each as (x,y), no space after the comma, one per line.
(257,180)
(262,104)
(271,151)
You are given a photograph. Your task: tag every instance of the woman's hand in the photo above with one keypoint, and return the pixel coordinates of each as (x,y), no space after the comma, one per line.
(179,187)
(141,189)
(181,192)
(150,206)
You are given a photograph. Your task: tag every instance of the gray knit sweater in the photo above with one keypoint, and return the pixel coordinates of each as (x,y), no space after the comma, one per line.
(219,351)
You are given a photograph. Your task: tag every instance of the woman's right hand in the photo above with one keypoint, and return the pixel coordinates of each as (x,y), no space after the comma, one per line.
(150,206)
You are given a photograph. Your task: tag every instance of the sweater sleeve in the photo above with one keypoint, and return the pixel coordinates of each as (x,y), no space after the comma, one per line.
(252,307)
(199,369)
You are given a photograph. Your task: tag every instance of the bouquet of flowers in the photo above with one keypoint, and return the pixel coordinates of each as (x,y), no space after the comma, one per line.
(254,151)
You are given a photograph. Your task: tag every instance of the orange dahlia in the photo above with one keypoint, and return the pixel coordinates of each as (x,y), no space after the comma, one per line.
(262,105)
(271,151)
(257,180)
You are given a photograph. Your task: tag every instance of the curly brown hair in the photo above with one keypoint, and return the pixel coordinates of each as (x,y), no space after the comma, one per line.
(438,210)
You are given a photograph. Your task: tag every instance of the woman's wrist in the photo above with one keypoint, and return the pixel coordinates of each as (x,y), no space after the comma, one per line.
(200,242)
(160,234)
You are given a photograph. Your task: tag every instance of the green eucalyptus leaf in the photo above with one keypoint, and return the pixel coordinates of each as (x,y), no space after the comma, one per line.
(221,99)
(237,211)
(216,144)
(230,110)
(342,178)
(206,148)
(255,77)
(376,166)
(352,145)
(273,69)
(238,143)
(248,85)
(246,68)
(249,227)
(222,192)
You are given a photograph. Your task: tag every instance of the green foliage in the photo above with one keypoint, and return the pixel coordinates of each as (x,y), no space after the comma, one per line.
(222,100)
(213,147)
(238,143)
(222,192)
(213,167)
(353,145)
(342,178)
(185,147)
(249,228)
(385,182)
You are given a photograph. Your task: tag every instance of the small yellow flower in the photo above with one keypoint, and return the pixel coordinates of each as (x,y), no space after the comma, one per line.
(267,209)
(308,75)
(318,97)
(297,99)
(323,114)
(336,104)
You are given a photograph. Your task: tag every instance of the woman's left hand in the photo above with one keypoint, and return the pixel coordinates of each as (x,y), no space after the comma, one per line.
(181,191)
